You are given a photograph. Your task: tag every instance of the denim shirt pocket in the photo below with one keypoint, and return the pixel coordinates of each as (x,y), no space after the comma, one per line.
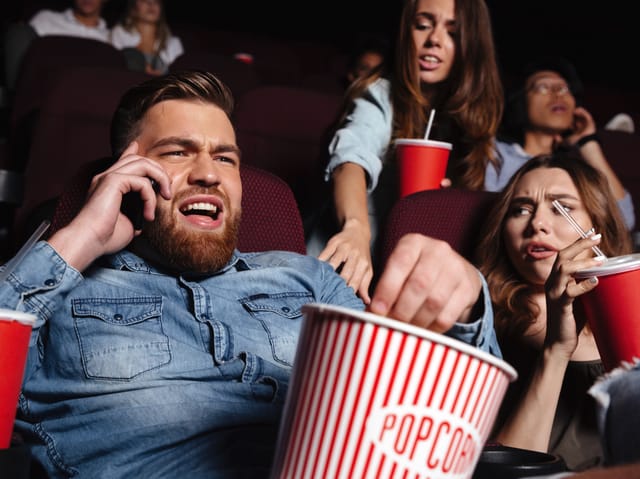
(120,338)
(279,314)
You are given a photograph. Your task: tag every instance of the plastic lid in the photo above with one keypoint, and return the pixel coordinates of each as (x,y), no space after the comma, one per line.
(616,264)
(423,142)
(12,315)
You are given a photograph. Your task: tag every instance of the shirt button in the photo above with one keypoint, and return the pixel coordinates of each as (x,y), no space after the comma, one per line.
(50,282)
(117,317)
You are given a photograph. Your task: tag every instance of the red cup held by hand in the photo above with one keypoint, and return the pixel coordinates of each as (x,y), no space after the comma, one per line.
(422,164)
(612,308)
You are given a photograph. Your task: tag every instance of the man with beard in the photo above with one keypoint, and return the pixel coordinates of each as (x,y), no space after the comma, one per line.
(165,352)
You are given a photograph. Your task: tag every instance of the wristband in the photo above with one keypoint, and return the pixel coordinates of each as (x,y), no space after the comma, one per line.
(586,139)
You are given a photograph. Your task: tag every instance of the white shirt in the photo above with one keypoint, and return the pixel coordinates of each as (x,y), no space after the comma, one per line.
(121,38)
(51,22)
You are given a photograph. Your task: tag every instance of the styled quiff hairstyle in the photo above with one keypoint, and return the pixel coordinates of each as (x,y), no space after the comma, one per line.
(514,312)
(192,85)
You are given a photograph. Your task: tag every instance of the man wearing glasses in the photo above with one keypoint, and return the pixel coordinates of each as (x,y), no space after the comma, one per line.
(544,113)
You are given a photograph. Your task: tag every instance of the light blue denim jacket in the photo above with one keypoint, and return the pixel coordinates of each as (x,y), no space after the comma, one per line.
(135,373)
(365,138)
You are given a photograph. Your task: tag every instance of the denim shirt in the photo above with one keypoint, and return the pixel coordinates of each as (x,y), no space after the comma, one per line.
(135,373)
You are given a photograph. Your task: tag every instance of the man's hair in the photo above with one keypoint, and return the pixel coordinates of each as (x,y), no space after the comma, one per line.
(193,85)
(561,66)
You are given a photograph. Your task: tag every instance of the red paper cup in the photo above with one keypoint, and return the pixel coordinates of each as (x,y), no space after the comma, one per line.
(371,397)
(15,331)
(613,308)
(422,164)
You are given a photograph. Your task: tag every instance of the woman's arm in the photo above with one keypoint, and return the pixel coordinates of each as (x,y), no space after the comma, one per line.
(356,160)
(350,249)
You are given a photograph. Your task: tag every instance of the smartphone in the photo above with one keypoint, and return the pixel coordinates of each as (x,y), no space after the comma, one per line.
(132,206)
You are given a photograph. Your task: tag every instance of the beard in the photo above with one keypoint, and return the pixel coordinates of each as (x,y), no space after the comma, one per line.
(189,250)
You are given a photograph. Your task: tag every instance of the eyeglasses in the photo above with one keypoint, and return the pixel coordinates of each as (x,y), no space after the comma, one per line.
(543,88)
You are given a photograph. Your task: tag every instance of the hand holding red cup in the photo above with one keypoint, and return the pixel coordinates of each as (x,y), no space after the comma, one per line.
(422,164)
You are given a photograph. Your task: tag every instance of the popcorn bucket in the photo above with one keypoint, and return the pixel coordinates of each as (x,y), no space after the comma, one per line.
(371,397)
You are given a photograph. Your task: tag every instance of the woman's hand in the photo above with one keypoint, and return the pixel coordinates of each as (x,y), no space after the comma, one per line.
(349,253)
(561,288)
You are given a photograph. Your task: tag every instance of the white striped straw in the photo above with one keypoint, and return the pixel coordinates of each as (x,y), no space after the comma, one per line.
(431,115)
(576,226)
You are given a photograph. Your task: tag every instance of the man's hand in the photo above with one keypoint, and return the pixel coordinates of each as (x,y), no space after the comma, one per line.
(426,283)
(583,125)
(100,227)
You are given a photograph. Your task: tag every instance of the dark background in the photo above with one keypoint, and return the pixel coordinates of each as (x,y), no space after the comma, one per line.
(600,38)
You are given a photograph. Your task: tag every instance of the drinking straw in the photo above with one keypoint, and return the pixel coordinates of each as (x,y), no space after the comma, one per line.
(576,226)
(431,115)
(35,236)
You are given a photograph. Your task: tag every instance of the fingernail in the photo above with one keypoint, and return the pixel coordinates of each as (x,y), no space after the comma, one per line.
(593,280)
(596,237)
(600,258)
(591,231)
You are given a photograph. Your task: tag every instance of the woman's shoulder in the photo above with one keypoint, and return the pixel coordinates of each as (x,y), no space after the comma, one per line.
(174,44)
(123,38)
(380,87)
(507,149)
(375,93)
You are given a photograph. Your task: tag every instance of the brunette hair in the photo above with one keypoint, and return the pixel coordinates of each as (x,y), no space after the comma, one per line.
(471,98)
(514,312)
(184,85)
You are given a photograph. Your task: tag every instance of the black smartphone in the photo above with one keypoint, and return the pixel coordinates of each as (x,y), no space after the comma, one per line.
(132,206)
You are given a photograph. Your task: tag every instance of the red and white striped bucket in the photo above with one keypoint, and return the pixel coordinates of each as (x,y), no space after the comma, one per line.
(371,397)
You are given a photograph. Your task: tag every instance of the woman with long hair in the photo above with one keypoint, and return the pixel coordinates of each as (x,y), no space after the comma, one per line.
(529,253)
(445,61)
